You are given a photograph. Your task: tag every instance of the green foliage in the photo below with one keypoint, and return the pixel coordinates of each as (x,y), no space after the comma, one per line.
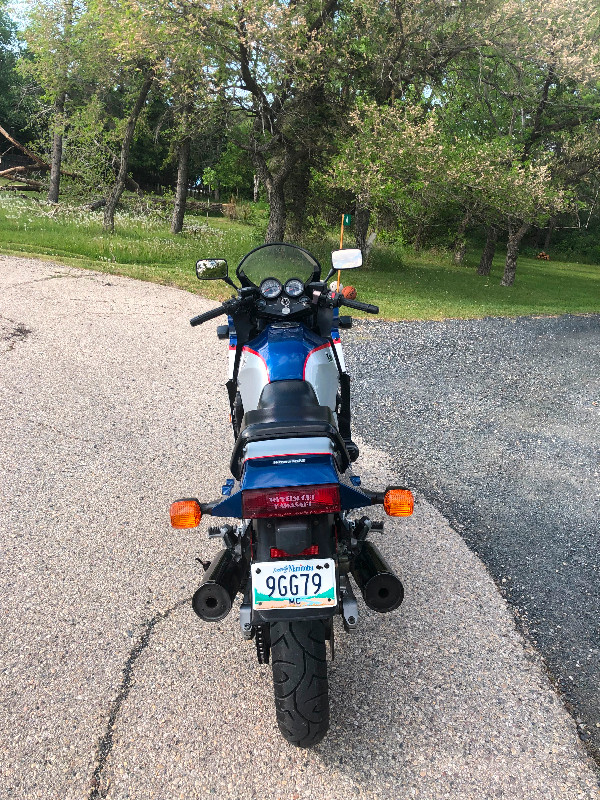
(421,286)
(14,100)
(233,171)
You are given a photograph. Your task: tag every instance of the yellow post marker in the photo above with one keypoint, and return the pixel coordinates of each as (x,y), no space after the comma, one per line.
(341,247)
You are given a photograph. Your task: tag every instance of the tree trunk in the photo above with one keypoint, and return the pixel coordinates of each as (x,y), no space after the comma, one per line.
(515,236)
(57,148)
(296,196)
(274,184)
(117,189)
(256,188)
(460,244)
(362,217)
(551,226)
(182,186)
(276,226)
(485,265)
(419,236)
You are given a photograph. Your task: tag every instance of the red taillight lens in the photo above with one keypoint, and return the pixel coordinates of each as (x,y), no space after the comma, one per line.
(313,550)
(291,501)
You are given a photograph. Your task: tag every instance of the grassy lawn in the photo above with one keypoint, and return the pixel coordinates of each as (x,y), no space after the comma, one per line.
(423,286)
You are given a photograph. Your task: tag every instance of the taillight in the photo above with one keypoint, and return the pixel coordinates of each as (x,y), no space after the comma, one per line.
(291,501)
(313,550)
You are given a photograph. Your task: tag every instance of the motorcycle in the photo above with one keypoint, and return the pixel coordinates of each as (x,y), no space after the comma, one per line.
(292,488)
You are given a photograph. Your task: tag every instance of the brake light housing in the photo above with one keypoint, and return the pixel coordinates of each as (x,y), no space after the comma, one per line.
(291,501)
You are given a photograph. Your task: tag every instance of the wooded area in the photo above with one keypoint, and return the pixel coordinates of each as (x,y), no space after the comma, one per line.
(430,121)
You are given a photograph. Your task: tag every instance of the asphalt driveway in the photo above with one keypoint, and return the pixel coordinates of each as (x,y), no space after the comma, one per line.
(111,406)
(497,422)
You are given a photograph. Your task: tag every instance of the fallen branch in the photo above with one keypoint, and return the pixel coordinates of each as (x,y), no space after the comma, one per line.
(23,149)
(26,186)
(97,204)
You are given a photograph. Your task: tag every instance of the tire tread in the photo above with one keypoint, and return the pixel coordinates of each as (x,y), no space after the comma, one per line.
(298,656)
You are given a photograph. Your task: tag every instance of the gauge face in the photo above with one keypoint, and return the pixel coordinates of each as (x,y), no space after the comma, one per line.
(294,287)
(270,288)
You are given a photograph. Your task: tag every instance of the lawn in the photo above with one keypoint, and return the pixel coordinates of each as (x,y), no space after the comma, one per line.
(407,286)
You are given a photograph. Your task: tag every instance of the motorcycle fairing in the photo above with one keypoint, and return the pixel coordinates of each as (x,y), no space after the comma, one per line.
(290,462)
(287,352)
(232,345)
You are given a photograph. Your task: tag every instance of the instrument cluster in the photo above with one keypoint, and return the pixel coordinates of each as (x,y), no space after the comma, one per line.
(285,298)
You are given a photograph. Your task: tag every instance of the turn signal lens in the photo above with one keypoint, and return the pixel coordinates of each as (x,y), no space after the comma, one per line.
(185,514)
(398,503)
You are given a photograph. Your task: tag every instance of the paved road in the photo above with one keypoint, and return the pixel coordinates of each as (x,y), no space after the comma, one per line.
(498,423)
(110,407)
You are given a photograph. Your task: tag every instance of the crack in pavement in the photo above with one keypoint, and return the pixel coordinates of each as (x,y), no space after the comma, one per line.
(98,789)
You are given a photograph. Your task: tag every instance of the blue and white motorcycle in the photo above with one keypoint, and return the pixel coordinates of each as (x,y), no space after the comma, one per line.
(293,489)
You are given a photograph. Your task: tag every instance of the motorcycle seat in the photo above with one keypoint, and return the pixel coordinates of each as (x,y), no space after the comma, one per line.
(287,410)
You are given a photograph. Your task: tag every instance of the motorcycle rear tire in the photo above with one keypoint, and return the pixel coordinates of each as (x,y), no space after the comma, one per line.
(298,656)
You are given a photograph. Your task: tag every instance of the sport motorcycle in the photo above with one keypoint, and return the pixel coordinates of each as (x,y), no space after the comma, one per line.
(293,493)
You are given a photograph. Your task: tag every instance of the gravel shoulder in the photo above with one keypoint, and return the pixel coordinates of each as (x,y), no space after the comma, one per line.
(497,421)
(111,406)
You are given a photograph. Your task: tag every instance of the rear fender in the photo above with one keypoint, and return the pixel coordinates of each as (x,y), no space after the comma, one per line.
(293,536)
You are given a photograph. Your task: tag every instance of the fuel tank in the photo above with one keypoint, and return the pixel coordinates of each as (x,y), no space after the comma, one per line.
(287,351)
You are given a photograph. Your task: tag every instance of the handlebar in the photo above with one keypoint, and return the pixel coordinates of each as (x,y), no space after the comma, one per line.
(233,305)
(216,312)
(228,307)
(370,309)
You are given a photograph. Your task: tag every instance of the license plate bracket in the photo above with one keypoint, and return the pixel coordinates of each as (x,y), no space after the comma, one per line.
(309,583)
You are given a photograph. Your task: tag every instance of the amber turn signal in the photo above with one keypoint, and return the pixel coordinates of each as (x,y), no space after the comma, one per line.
(185,514)
(398,502)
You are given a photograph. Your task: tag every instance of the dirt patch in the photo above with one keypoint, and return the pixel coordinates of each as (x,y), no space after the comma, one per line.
(11,333)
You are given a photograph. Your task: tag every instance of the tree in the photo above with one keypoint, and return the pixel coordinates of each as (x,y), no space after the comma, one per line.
(13,98)
(296,69)
(52,42)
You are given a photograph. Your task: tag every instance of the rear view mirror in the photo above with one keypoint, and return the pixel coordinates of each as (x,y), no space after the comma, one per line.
(212,269)
(346,259)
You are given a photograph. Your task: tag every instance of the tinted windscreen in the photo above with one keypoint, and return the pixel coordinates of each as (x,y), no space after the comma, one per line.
(281,261)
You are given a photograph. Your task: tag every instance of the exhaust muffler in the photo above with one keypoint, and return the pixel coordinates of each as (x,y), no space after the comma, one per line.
(222,580)
(381,589)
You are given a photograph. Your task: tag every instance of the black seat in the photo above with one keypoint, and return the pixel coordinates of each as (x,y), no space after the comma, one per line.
(287,410)
(287,393)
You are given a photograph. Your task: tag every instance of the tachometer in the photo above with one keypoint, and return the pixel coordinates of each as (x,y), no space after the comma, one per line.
(294,287)
(270,288)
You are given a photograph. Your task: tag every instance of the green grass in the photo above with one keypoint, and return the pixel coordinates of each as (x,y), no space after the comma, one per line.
(415,286)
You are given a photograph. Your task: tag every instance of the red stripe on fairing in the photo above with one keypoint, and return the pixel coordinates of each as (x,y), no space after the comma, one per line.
(254,353)
(314,350)
(337,341)
(232,347)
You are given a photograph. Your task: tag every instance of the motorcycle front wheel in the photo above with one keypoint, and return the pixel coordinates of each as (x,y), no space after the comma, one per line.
(298,656)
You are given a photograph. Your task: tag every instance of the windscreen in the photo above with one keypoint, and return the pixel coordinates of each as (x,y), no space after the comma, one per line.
(281,261)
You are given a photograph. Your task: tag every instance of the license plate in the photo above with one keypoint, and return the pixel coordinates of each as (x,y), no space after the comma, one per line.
(294,584)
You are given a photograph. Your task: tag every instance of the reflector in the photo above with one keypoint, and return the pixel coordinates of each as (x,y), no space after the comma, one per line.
(398,502)
(291,501)
(185,514)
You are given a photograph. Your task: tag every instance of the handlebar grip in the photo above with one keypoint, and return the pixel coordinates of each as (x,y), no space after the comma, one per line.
(359,306)
(215,312)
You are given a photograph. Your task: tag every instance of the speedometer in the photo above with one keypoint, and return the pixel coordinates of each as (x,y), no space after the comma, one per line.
(294,287)
(270,288)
